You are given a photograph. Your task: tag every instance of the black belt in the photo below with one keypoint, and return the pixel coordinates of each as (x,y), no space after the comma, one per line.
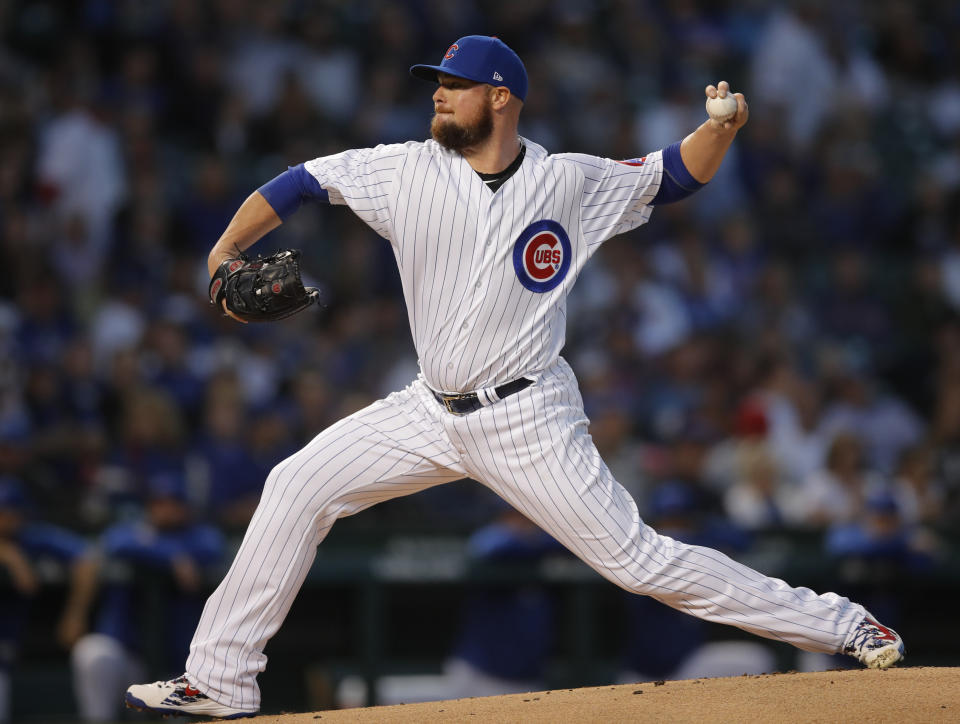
(465,402)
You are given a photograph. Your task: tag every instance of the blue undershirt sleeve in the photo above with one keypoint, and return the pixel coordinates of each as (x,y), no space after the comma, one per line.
(676,183)
(289,190)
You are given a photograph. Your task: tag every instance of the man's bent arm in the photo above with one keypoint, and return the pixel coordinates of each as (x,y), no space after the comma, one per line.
(264,210)
(254,219)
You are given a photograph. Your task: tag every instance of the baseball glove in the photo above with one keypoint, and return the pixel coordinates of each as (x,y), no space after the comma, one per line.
(264,289)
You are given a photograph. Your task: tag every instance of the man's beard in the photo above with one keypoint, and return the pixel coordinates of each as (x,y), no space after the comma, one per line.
(457,137)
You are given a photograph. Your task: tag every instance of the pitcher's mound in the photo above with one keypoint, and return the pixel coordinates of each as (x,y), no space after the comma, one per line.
(919,694)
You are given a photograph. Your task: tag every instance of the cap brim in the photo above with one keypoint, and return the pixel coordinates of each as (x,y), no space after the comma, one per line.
(429,72)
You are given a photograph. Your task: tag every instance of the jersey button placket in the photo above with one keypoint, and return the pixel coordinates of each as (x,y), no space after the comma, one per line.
(486,251)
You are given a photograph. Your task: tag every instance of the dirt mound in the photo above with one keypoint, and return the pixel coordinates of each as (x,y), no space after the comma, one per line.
(919,694)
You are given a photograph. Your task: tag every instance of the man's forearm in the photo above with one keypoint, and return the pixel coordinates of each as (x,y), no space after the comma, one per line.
(703,150)
(253,220)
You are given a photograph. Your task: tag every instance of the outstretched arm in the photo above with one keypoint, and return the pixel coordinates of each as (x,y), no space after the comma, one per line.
(703,150)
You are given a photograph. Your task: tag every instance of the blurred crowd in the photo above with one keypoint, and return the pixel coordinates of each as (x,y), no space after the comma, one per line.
(786,343)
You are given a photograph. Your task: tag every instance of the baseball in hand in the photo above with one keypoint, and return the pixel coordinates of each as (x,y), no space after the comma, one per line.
(722,109)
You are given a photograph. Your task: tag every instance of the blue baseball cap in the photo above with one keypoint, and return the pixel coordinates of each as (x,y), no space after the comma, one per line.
(480,58)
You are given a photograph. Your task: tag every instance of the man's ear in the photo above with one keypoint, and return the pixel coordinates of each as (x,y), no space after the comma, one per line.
(499,97)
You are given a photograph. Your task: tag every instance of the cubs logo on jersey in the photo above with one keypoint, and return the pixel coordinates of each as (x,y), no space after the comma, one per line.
(634,161)
(541,256)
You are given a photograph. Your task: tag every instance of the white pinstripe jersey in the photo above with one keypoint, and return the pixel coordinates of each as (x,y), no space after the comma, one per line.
(485,275)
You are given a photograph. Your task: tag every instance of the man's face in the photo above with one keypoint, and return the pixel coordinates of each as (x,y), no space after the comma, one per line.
(463,115)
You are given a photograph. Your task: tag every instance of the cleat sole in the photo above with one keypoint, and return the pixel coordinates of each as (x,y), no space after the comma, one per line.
(133,702)
(884,658)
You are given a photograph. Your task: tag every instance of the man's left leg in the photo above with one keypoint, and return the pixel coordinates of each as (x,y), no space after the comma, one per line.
(533,449)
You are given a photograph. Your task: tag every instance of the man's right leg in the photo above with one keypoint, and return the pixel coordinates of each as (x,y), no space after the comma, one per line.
(389,449)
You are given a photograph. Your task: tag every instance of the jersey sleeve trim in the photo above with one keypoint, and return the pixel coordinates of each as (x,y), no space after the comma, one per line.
(287,192)
(677,183)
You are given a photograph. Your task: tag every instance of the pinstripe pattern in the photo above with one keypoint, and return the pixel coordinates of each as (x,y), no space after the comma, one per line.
(475,326)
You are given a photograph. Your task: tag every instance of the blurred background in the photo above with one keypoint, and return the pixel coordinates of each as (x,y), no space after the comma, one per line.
(771,367)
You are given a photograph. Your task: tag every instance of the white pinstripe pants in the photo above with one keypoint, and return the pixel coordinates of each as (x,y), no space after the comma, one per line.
(532,449)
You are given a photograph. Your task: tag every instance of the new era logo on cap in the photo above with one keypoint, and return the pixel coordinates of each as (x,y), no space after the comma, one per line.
(480,58)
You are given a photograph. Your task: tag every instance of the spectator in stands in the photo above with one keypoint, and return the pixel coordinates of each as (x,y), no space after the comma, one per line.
(791,404)
(150,431)
(878,534)
(149,609)
(80,167)
(24,544)
(789,51)
(835,493)
(167,352)
(759,499)
(851,310)
(209,206)
(919,493)
(884,424)
(45,324)
(224,458)
(722,466)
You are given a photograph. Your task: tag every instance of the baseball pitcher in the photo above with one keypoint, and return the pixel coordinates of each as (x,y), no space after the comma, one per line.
(489,232)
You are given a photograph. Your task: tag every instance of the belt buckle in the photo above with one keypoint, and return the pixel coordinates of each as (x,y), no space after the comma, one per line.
(448,401)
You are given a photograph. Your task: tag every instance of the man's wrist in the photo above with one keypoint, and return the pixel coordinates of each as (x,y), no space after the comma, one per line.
(721,130)
(216,258)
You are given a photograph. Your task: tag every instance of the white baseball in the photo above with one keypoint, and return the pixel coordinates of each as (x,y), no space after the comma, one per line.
(722,109)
